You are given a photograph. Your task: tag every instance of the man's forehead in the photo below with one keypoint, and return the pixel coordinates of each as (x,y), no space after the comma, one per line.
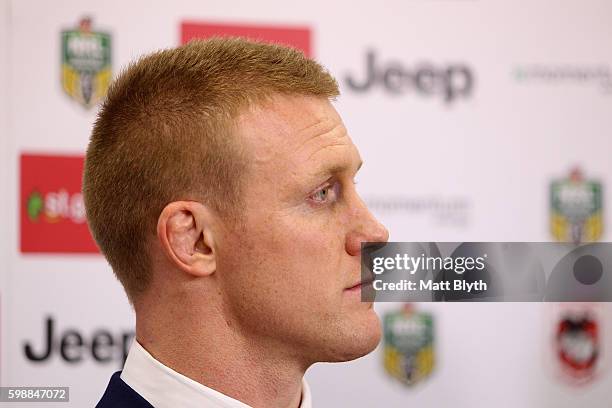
(295,128)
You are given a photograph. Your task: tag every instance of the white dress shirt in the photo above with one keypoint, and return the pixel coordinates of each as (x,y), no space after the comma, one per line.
(163,387)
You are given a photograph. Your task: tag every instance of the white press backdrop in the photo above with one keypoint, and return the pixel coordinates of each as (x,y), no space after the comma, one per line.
(473,169)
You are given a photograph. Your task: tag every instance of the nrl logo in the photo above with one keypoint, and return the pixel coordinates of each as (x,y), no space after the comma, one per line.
(576,209)
(86,63)
(408,345)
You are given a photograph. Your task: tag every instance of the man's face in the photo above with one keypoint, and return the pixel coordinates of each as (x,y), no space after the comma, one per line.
(285,273)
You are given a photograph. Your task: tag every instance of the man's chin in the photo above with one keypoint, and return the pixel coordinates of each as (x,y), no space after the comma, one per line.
(360,339)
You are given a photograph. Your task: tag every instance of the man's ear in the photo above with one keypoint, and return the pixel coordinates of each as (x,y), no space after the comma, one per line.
(185,234)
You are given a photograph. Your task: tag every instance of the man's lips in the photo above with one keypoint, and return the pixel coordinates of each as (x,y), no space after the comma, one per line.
(359,284)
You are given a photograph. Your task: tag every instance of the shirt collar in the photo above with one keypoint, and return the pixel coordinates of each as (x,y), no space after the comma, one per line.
(163,387)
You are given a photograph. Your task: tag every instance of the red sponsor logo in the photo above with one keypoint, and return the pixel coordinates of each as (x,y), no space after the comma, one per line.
(52,209)
(296,37)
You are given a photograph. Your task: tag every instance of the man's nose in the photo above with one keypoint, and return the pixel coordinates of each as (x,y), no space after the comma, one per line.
(366,229)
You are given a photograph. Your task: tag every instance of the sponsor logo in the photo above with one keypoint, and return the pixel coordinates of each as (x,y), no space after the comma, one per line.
(55,206)
(598,76)
(450,211)
(52,209)
(72,346)
(296,37)
(408,345)
(447,82)
(577,346)
(86,63)
(576,209)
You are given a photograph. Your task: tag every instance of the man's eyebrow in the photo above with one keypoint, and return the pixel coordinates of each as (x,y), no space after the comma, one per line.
(338,168)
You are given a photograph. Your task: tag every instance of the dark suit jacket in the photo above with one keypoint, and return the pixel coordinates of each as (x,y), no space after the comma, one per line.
(120,395)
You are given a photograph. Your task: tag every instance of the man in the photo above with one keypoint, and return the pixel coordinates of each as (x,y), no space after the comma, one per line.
(219,185)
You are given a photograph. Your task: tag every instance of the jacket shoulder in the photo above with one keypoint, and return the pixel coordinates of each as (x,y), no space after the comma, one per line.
(120,395)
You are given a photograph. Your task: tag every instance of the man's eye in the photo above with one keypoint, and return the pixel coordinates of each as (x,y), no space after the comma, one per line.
(321,194)
(325,194)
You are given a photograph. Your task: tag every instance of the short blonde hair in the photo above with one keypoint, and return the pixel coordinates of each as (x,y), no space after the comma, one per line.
(164,133)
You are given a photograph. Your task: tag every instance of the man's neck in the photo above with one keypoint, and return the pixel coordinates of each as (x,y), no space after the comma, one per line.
(205,347)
